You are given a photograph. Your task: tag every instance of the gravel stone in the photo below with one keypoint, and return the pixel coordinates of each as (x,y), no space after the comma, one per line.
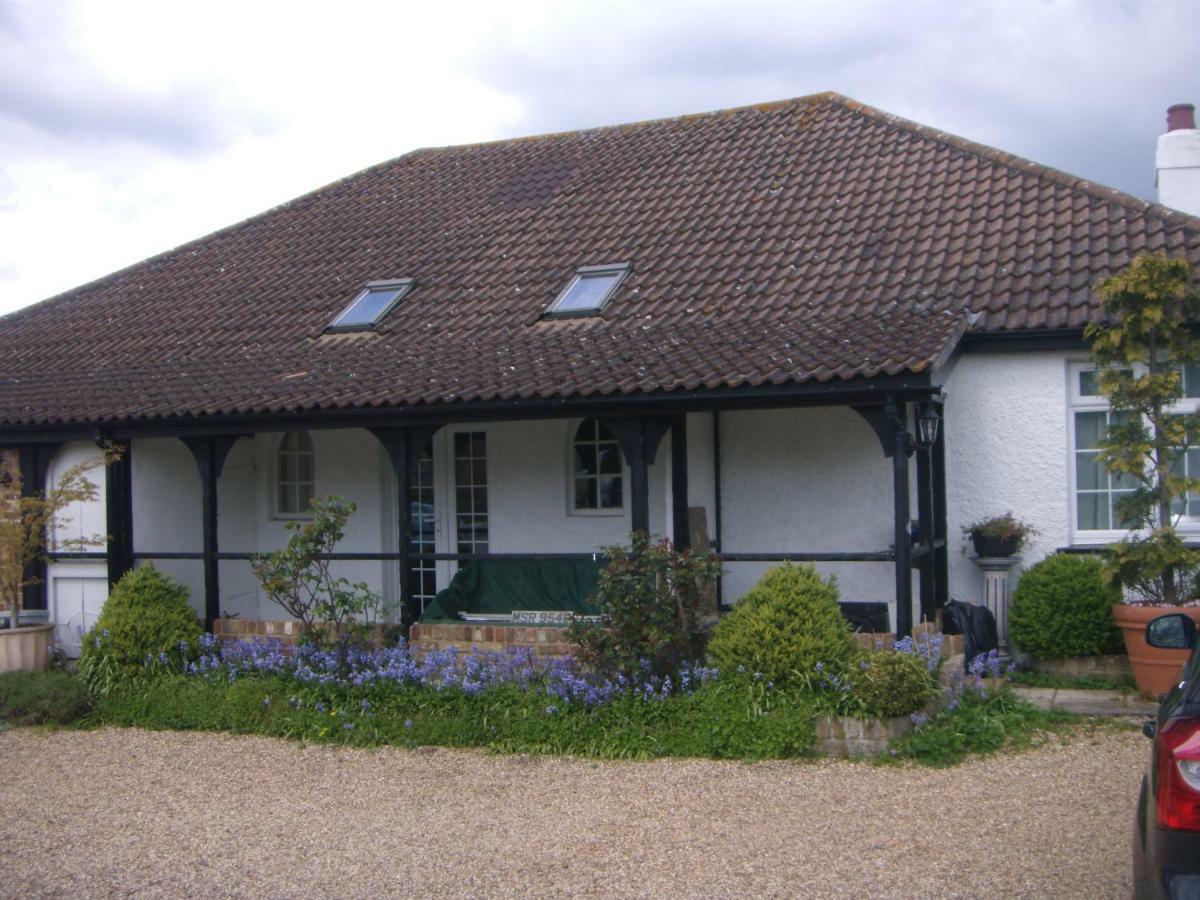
(123,812)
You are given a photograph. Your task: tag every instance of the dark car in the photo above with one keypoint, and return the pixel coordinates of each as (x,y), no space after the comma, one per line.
(1166,842)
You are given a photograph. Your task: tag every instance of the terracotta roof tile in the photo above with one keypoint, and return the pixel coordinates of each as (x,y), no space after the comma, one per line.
(808,239)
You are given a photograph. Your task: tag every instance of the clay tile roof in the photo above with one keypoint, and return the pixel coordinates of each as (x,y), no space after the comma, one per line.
(810,239)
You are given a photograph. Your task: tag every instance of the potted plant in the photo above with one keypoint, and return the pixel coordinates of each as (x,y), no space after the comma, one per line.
(1141,346)
(25,531)
(999,536)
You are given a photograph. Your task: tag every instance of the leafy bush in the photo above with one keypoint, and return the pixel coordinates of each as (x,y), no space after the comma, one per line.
(651,601)
(146,625)
(784,626)
(1062,607)
(40,698)
(299,578)
(892,683)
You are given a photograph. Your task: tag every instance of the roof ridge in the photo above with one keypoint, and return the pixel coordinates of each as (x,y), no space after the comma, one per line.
(1021,164)
(818,97)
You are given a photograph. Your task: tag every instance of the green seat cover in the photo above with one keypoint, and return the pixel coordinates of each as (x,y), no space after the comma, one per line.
(501,586)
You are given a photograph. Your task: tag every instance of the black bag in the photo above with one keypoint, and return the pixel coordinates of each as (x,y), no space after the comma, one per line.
(976,624)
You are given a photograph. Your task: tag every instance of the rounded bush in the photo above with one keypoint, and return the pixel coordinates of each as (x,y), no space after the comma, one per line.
(784,626)
(892,683)
(1062,607)
(146,623)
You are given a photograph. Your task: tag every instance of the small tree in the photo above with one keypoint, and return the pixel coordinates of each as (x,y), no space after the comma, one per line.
(1147,337)
(651,600)
(25,533)
(299,577)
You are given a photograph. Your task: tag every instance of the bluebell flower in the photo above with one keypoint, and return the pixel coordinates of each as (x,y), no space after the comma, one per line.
(408,724)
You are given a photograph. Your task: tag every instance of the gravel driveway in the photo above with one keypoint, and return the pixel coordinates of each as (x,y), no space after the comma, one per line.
(122,812)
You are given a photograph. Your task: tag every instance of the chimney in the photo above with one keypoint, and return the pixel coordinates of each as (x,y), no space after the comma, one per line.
(1178,161)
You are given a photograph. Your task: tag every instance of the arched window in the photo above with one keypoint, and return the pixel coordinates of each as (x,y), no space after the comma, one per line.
(597,483)
(295,479)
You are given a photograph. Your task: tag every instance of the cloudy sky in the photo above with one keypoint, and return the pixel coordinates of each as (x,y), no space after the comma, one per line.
(129,127)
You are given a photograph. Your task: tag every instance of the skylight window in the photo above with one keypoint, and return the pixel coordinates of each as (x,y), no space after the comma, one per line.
(589,290)
(371,305)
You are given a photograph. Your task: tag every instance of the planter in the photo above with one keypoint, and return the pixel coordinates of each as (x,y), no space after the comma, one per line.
(1154,670)
(991,546)
(25,649)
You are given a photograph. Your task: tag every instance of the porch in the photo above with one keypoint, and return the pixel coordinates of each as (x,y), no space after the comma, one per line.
(814,473)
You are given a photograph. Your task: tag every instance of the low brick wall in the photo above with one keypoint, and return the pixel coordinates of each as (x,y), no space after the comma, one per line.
(1114,667)
(544,640)
(287,630)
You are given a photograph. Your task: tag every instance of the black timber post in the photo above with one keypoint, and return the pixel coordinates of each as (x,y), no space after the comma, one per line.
(941,555)
(926,530)
(639,439)
(897,413)
(118,511)
(34,461)
(209,454)
(679,483)
(403,446)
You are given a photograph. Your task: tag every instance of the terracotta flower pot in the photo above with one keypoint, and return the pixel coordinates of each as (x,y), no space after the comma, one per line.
(1154,670)
(25,649)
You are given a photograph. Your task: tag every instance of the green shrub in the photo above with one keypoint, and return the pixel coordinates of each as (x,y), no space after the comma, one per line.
(891,683)
(146,625)
(784,626)
(1062,607)
(41,698)
(980,724)
(651,601)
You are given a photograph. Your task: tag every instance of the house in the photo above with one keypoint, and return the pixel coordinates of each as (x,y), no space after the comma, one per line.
(800,326)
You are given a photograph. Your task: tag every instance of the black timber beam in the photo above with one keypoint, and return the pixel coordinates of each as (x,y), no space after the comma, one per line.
(209,454)
(897,412)
(639,439)
(679,483)
(34,461)
(1023,341)
(118,512)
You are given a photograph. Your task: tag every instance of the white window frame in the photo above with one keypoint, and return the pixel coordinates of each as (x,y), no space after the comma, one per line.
(277,478)
(600,512)
(1079,403)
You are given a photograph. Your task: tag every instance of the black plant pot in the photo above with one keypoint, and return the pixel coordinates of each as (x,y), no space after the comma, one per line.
(993,545)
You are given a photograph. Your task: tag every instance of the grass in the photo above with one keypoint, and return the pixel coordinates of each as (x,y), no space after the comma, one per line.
(42,698)
(1124,684)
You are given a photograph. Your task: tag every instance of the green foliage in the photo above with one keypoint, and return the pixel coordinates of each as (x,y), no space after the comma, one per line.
(890,683)
(299,580)
(1063,607)
(1141,345)
(1006,527)
(42,698)
(146,625)
(724,719)
(651,600)
(980,724)
(784,626)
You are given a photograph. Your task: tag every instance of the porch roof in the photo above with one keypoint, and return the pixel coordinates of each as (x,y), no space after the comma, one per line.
(807,240)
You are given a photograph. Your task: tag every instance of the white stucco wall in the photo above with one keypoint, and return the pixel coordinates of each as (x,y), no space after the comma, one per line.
(1006,449)
(806,480)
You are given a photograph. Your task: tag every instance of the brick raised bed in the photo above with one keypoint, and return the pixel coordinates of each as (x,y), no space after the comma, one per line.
(544,640)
